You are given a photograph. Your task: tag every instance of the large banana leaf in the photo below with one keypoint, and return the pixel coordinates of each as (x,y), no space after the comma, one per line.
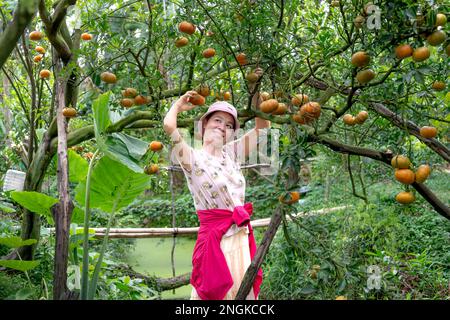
(35,202)
(19,264)
(136,147)
(125,149)
(41,204)
(113,186)
(101,114)
(77,215)
(78,167)
(118,146)
(16,242)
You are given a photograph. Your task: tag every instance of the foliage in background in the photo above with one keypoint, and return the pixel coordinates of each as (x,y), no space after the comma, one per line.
(329,255)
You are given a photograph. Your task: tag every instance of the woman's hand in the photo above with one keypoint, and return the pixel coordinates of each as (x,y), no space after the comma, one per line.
(183,104)
(259,72)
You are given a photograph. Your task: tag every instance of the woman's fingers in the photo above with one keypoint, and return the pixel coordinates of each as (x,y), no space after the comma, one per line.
(187,95)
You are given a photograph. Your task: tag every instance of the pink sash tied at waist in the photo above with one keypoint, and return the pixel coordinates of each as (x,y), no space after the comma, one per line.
(210,274)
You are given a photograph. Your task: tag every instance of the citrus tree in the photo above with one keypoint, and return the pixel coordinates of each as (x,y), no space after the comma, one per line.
(363,79)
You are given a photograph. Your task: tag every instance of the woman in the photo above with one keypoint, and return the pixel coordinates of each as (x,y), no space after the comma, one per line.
(225,243)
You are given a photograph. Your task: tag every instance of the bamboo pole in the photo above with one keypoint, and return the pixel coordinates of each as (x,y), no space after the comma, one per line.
(169,232)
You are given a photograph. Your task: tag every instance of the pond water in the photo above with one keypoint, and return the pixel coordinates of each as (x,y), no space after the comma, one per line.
(152,256)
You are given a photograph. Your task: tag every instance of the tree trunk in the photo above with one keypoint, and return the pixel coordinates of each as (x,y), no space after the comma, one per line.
(62,211)
(31,222)
(258,259)
(6,111)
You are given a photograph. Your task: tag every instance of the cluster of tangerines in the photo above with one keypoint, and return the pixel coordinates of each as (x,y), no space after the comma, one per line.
(360,118)
(189,29)
(308,111)
(435,38)
(360,18)
(203,91)
(35,35)
(405,175)
(131,97)
(361,59)
(153,168)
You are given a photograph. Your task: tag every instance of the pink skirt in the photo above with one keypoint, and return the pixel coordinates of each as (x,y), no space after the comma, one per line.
(237,254)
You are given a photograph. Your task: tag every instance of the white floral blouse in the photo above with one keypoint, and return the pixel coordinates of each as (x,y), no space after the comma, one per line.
(215,182)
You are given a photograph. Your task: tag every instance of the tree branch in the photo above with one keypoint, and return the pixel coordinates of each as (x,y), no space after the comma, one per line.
(24,13)
(413,129)
(385,157)
(55,39)
(60,13)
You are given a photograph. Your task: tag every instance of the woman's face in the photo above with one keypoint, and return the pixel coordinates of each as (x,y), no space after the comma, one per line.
(219,128)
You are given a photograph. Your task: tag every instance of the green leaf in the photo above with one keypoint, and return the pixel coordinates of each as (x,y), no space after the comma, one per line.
(35,202)
(136,147)
(101,114)
(23,294)
(307,290)
(16,242)
(19,265)
(117,150)
(78,167)
(77,215)
(6,208)
(41,204)
(40,133)
(447,98)
(112,185)
(76,240)
(419,77)
(342,286)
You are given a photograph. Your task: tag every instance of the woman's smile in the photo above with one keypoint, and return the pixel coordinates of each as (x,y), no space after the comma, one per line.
(219,131)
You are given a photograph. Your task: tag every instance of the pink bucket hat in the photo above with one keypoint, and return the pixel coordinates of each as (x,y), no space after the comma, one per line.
(218,106)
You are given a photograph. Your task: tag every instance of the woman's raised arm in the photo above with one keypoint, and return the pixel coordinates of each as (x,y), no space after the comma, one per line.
(181,149)
(249,141)
(182,104)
